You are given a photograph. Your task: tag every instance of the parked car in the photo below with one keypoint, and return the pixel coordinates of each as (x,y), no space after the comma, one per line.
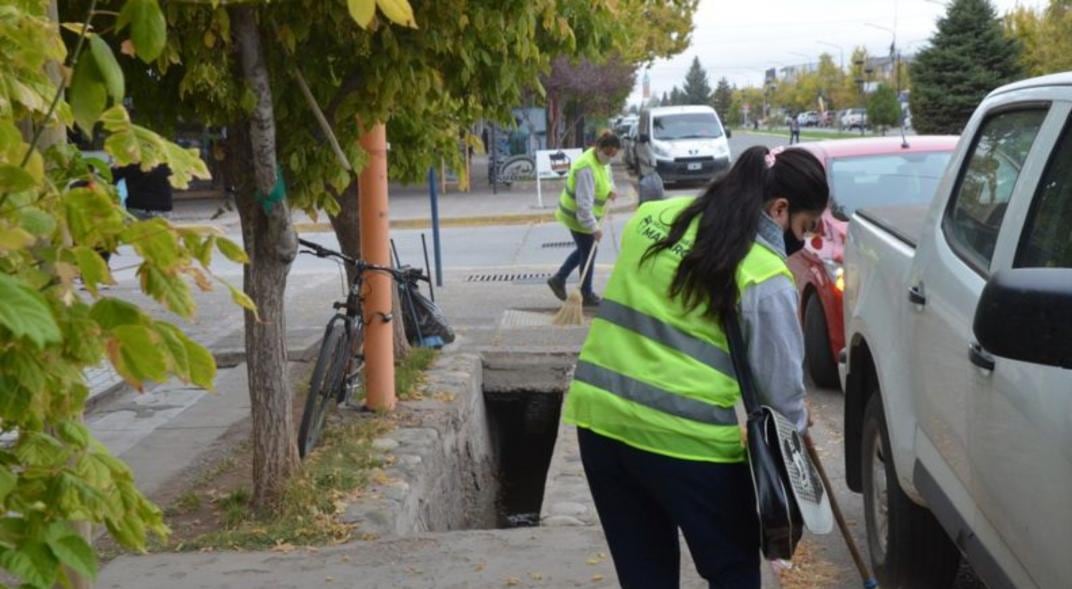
(854,118)
(683,143)
(863,173)
(958,371)
(808,119)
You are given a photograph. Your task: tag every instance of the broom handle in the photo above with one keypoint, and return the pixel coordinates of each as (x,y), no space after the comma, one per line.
(856,557)
(588,263)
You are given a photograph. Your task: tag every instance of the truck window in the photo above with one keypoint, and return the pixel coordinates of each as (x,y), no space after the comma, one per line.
(974,216)
(686,126)
(1045,242)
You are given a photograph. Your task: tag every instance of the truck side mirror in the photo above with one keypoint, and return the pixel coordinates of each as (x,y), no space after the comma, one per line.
(1025,314)
(643,138)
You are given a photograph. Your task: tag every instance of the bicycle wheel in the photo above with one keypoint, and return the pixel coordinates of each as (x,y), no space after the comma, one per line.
(323,387)
(355,363)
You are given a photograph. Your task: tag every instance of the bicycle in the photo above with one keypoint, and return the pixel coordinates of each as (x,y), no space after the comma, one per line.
(338,365)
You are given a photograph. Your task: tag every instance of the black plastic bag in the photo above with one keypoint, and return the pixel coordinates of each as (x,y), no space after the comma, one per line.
(421,317)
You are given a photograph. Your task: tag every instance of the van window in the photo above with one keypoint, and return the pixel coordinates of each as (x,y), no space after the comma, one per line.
(977,208)
(1045,242)
(686,126)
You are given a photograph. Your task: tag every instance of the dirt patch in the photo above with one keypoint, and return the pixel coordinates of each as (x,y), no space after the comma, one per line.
(209,505)
(811,568)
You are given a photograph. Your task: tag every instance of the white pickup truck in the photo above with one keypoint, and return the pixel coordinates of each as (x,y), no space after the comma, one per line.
(958,364)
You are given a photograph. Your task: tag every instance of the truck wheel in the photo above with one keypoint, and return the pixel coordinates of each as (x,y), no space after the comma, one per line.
(821,363)
(909,549)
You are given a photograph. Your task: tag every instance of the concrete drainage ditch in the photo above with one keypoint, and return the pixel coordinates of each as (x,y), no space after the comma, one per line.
(475,450)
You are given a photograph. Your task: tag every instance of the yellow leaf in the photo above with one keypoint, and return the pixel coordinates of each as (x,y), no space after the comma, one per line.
(127,48)
(362,11)
(15,238)
(209,39)
(398,11)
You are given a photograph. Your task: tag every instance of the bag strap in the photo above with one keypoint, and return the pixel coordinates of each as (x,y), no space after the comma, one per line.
(739,354)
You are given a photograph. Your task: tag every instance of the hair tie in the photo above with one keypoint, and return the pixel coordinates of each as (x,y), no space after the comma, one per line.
(772,156)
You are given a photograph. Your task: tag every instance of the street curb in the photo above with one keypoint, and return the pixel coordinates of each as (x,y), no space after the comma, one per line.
(454,222)
(106,395)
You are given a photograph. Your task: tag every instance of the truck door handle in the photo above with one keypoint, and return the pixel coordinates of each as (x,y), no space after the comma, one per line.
(915,295)
(980,358)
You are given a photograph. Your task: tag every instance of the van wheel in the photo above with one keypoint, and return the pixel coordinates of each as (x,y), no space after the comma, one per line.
(909,549)
(821,363)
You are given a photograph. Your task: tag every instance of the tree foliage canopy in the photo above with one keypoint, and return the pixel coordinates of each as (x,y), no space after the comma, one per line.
(968,57)
(1045,35)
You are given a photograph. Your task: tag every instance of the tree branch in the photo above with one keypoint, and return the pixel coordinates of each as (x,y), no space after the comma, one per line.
(324,125)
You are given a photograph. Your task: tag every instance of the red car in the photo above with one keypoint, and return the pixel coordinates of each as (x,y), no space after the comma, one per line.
(863,173)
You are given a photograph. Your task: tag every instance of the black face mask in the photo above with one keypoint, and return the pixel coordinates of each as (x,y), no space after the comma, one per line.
(793,244)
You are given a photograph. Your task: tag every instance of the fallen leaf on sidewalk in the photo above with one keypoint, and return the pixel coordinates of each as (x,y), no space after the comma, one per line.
(284,547)
(536,576)
(512,581)
(480,567)
(597,578)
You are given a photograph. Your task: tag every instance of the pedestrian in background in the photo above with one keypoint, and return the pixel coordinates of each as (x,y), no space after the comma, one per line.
(794,130)
(654,390)
(581,206)
(149,193)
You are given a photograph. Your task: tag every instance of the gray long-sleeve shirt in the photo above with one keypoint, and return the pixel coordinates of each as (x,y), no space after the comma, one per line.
(771,326)
(584,192)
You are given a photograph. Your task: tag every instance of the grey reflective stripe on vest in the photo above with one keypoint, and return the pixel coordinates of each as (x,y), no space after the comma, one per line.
(667,335)
(653,397)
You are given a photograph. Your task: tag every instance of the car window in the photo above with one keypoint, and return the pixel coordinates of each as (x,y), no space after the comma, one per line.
(686,126)
(1046,241)
(885,180)
(978,206)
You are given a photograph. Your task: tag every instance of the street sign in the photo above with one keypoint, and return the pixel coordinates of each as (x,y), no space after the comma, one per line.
(553,164)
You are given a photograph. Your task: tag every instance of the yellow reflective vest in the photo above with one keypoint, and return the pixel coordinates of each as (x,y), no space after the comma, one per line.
(651,373)
(567,202)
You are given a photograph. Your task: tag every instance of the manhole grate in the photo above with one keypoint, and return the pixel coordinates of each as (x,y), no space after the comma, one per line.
(557,244)
(508,277)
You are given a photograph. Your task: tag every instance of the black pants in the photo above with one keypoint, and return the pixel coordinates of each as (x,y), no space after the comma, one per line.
(576,260)
(644,498)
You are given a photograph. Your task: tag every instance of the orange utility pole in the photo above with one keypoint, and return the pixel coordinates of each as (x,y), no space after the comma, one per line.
(375,228)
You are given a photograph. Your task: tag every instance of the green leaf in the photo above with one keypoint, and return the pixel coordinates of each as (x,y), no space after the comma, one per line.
(73,432)
(88,94)
(172,291)
(39,449)
(74,552)
(148,29)
(202,364)
(33,563)
(93,267)
(241,299)
(26,314)
(110,313)
(108,67)
(174,343)
(155,241)
(15,179)
(7,483)
(37,221)
(232,250)
(138,356)
(15,239)
(362,11)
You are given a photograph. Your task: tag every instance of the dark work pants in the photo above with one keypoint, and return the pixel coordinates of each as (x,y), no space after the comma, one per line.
(644,498)
(577,259)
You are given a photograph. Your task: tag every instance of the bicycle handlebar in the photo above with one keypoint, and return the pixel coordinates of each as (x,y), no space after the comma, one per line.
(361,265)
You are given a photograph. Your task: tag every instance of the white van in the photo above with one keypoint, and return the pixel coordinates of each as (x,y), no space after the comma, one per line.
(682,143)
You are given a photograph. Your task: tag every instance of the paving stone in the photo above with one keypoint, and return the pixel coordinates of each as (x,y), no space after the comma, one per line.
(384,444)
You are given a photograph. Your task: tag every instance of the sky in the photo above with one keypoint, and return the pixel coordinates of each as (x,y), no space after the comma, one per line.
(740,39)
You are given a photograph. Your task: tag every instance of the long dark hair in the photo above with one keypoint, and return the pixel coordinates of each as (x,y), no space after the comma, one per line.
(729,212)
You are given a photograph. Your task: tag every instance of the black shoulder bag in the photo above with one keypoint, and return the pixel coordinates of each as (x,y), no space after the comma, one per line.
(781,524)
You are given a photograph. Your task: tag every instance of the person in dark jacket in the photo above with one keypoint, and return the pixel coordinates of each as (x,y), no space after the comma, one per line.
(148,193)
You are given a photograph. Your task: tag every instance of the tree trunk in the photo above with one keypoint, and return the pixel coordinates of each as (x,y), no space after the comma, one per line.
(348,233)
(271,243)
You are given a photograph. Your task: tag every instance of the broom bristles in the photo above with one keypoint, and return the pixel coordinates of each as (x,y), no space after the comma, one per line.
(572,311)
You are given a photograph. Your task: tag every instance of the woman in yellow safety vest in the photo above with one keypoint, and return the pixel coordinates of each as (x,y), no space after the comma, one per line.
(581,206)
(654,390)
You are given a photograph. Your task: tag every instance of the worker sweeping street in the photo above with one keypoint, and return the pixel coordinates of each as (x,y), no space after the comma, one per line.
(654,390)
(581,207)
